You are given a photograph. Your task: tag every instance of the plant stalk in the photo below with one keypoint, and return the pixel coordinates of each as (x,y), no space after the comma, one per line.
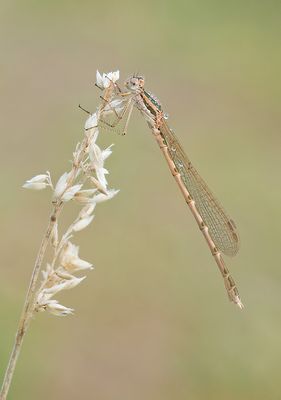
(27,311)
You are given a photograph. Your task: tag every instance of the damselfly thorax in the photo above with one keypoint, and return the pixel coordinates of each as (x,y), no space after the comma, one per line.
(117,110)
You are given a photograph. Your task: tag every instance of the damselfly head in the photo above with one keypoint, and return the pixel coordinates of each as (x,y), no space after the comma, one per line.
(135,83)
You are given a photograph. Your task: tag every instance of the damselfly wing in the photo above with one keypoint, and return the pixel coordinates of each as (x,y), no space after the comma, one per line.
(221,228)
(116,113)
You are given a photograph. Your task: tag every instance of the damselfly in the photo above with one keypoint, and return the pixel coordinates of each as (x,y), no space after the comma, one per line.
(217,228)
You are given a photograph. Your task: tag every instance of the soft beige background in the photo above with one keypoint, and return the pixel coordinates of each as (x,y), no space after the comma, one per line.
(152,321)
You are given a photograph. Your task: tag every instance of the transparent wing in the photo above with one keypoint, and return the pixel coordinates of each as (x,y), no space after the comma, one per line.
(221,228)
(115,114)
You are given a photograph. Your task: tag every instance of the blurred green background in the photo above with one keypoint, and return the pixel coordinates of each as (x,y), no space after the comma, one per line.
(153,320)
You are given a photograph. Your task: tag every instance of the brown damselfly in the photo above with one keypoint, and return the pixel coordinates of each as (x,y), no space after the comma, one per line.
(217,228)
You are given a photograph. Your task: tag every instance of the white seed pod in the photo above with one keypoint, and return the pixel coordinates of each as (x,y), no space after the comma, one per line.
(91,122)
(87,210)
(82,223)
(70,193)
(57,309)
(83,196)
(99,80)
(100,173)
(70,260)
(39,178)
(107,152)
(61,185)
(104,197)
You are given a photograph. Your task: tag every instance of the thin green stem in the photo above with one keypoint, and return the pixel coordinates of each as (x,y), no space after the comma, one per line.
(27,311)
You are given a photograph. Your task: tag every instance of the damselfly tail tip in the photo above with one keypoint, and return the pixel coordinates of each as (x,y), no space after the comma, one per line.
(239,303)
(234,297)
